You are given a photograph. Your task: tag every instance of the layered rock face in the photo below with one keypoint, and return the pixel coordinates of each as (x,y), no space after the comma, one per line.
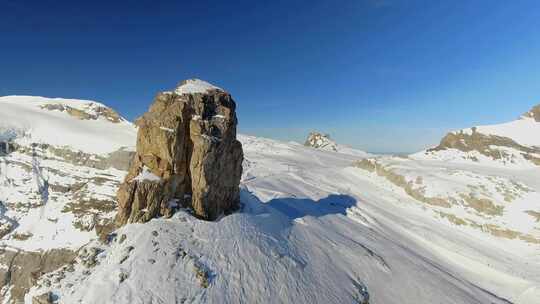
(187,155)
(485,145)
(23,269)
(90,111)
(513,143)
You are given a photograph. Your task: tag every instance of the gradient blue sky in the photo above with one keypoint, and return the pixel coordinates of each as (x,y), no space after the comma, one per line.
(385,76)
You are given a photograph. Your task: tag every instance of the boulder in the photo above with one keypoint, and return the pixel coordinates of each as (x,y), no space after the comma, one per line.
(187,155)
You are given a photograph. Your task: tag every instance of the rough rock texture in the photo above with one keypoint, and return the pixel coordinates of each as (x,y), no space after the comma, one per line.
(484,144)
(23,269)
(320,141)
(45,298)
(187,155)
(119,159)
(91,111)
(534,113)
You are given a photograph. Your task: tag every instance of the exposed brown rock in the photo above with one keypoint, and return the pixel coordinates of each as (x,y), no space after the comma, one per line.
(534,113)
(187,154)
(22,269)
(5,227)
(534,214)
(482,205)
(95,112)
(320,141)
(484,144)
(415,192)
(45,298)
(119,159)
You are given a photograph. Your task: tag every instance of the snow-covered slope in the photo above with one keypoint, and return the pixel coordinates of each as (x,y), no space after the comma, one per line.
(57,153)
(513,144)
(85,126)
(60,164)
(314,227)
(525,131)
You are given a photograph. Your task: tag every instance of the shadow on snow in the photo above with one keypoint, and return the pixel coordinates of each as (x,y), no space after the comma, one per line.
(294,208)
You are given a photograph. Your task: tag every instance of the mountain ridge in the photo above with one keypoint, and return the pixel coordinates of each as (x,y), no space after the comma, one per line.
(515,143)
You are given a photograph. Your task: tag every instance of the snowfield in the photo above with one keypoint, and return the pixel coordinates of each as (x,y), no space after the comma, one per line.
(524,131)
(314,227)
(23,119)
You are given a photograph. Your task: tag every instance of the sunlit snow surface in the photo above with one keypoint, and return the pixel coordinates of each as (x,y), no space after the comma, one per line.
(23,120)
(312,229)
(195,86)
(524,131)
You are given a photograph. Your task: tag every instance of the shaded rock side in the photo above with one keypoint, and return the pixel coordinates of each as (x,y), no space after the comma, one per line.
(187,155)
(21,269)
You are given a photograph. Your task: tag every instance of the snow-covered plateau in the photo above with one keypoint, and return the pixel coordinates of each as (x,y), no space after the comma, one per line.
(316,226)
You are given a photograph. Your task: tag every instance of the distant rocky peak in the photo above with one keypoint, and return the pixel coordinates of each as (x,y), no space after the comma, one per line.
(320,141)
(194,85)
(534,113)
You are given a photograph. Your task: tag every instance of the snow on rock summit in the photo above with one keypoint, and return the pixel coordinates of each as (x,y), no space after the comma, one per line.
(193,86)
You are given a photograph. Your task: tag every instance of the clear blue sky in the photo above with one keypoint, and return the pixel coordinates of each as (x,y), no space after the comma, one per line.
(385,76)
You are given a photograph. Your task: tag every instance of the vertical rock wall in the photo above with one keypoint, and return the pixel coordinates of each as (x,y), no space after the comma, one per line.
(187,155)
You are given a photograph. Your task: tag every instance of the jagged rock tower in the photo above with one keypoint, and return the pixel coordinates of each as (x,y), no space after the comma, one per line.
(187,155)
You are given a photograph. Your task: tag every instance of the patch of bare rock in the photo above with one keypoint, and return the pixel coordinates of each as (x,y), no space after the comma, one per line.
(319,140)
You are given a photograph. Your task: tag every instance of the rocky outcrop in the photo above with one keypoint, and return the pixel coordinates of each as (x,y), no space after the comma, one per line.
(20,269)
(534,113)
(398,180)
(119,159)
(514,143)
(320,141)
(187,155)
(486,145)
(90,111)
(45,298)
